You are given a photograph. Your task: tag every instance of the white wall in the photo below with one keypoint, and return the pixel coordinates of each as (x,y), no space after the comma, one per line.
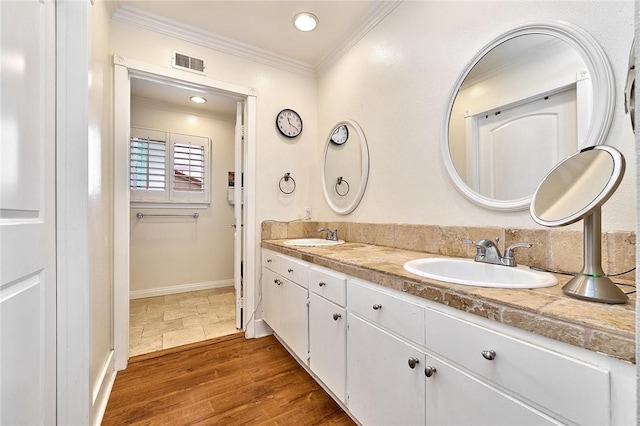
(396,83)
(100,206)
(174,252)
(276,90)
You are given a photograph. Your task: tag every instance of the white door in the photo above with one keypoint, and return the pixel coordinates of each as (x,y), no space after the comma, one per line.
(27,213)
(238,252)
(518,146)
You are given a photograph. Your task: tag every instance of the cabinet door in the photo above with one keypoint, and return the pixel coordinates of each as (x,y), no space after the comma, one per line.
(456,398)
(271,295)
(294,323)
(328,343)
(382,389)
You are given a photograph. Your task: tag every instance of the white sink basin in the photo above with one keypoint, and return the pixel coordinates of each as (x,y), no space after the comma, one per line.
(469,272)
(312,242)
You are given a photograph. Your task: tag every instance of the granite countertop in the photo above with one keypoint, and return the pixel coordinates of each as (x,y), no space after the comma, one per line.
(599,327)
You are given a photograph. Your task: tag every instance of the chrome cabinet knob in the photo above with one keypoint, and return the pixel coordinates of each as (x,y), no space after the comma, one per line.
(429,371)
(322,284)
(277,281)
(377,306)
(336,317)
(489,355)
(290,270)
(413,362)
(268,260)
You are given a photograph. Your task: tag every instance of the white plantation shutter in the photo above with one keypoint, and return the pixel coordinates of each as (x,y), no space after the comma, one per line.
(179,174)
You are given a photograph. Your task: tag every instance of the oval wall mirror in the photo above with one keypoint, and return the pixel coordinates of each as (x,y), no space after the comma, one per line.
(345,167)
(525,102)
(576,189)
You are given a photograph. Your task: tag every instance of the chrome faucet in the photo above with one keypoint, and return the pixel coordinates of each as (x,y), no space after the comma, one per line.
(488,252)
(331,235)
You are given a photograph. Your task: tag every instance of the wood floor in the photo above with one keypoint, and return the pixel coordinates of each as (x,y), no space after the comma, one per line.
(225,381)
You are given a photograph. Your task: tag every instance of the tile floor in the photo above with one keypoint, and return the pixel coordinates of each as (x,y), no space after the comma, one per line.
(164,322)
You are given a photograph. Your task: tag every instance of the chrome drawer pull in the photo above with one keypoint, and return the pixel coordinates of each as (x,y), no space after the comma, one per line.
(377,306)
(429,371)
(268,260)
(489,355)
(336,317)
(290,270)
(413,362)
(321,284)
(277,281)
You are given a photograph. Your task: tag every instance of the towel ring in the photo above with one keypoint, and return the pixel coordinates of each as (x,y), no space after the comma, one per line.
(339,182)
(286,178)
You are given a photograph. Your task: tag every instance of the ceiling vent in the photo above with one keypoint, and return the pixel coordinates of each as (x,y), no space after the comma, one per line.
(188,63)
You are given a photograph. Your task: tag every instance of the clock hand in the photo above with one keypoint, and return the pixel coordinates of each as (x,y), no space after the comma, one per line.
(291,124)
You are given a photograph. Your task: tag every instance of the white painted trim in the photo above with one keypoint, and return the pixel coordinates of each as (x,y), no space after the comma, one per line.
(180,288)
(72,227)
(182,31)
(375,16)
(124,68)
(261,329)
(121,213)
(252,242)
(191,34)
(102,390)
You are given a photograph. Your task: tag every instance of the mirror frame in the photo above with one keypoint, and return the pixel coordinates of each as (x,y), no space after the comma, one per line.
(364,175)
(602,79)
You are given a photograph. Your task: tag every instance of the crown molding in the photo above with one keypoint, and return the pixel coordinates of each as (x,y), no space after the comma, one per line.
(375,16)
(179,30)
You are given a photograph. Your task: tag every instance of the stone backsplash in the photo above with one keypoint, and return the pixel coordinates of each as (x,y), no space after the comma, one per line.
(553,249)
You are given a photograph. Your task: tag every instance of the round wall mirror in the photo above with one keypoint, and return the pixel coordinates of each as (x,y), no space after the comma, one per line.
(525,102)
(576,189)
(345,167)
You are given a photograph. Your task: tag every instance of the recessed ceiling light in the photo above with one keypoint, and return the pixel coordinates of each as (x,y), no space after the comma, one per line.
(305,21)
(198,99)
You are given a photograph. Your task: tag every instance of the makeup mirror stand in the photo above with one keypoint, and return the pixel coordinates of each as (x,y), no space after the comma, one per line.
(592,283)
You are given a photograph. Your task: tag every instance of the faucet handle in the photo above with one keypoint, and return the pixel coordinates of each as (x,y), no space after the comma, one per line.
(480,249)
(509,257)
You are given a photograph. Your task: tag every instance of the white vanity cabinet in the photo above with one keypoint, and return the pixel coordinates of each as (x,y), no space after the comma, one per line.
(385,379)
(568,388)
(392,358)
(328,329)
(454,397)
(285,297)
(383,388)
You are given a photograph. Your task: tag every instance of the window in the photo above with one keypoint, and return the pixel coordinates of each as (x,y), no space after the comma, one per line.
(168,167)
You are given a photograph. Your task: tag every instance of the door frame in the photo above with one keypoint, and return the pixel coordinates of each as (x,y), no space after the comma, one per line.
(124,69)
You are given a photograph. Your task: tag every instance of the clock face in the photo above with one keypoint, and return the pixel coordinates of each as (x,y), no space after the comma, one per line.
(340,135)
(289,123)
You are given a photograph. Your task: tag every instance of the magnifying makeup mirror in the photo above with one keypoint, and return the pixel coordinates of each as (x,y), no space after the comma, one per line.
(576,189)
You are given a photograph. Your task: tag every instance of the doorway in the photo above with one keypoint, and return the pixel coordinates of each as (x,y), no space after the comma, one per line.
(164,219)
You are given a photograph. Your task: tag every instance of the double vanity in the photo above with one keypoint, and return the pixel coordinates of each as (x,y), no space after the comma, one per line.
(396,348)
(401,335)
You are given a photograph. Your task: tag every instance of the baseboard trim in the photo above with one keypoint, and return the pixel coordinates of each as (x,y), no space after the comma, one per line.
(102,390)
(180,288)
(261,329)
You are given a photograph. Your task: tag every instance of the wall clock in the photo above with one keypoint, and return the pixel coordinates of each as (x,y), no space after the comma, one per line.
(340,135)
(289,123)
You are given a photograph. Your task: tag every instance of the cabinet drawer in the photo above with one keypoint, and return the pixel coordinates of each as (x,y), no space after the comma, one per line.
(389,311)
(571,388)
(294,269)
(270,260)
(328,284)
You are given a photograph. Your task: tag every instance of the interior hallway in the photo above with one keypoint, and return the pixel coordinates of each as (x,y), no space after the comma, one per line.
(164,322)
